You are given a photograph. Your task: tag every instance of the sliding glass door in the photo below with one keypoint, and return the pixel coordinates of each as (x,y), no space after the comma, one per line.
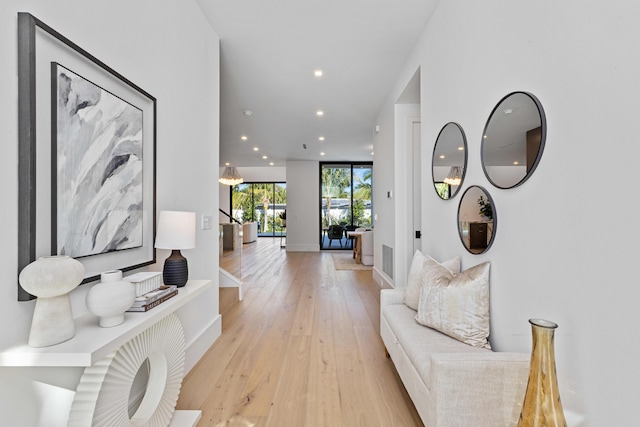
(261,202)
(361,205)
(345,201)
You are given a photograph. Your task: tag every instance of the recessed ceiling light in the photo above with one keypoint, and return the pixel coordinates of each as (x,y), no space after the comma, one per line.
(265,157)
(247,112)
(321,138)
(442,156)
(320,113)
(317,73)
(460,148)
(244,137)
(485,136)
(227,164)
(516,162)
(322,153)
(255,148)
(270,163)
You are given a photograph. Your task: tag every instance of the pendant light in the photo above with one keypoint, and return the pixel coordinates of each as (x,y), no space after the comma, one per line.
(230,176)
(455,176)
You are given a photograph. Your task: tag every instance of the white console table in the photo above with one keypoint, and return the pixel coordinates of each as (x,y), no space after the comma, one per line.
(92,343)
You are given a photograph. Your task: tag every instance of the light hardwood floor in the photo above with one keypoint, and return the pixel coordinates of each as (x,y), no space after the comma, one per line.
(302,349)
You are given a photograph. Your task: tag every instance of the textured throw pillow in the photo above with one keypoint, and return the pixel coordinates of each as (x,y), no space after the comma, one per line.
(414,279)
(456,304)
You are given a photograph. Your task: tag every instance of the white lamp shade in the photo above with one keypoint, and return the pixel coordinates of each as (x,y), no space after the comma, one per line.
(176,230)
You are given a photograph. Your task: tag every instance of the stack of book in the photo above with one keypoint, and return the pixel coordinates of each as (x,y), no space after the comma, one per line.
(156,297)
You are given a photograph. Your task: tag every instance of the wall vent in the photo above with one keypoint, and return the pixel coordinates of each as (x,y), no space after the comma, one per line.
(387,260)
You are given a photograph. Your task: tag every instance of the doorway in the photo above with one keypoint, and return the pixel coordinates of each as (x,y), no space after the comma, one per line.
(408,178)
(345,201)
(417,188)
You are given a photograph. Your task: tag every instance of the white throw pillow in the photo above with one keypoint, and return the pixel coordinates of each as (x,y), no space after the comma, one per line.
(414,279)
(456,304)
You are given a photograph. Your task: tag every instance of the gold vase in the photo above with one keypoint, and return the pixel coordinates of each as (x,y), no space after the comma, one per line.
(542,406)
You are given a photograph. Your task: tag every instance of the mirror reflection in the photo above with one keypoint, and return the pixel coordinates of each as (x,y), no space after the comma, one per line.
(449,161)
(513,140)
(476,220)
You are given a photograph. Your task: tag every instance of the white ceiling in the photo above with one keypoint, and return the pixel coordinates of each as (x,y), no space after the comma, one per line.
(269,51)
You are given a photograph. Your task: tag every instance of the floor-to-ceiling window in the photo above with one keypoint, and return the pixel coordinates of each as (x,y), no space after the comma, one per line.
(345,201)
(261,202)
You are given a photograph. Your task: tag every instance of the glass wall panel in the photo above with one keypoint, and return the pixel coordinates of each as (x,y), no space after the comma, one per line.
(345,201)
(361,208)
(242,207)
(261,202)
(280,209)
(336,194)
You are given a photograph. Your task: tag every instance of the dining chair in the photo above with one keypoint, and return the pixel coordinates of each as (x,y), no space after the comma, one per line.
(335,232)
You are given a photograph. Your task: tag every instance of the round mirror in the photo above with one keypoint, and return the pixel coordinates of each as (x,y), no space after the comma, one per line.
(513,140)
(476,220)
(449,162)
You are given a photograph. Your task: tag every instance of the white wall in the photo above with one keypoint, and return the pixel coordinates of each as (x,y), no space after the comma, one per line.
(384,223)
(565,246)
(149,45)
(303,206)
(263,174)
(405,115)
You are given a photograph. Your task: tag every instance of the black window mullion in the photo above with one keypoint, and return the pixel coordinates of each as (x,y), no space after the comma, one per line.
(351,203)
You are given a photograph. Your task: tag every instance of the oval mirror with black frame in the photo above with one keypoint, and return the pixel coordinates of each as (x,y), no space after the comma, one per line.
(476,220)
(449,162)
(513,140)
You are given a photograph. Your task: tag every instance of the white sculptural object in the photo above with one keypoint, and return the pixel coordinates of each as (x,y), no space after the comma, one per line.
(110,298)
(51,279)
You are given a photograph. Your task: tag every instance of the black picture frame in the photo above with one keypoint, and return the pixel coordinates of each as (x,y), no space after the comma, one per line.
(38,44)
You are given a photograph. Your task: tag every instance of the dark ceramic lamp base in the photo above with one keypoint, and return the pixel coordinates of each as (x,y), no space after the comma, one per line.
(176,270)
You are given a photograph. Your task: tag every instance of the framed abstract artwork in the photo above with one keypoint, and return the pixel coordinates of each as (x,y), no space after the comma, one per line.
(87,138)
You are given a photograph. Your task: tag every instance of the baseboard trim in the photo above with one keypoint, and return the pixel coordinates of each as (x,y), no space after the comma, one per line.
(198,345)
(382,279)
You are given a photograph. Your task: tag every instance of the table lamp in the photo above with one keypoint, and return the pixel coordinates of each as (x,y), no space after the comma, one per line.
(176,230)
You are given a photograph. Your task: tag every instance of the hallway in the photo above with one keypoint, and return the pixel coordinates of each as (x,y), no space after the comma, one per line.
(301,349)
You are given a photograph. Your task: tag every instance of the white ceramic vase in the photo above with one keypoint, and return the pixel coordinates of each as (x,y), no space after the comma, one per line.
(51,279)
(110,298)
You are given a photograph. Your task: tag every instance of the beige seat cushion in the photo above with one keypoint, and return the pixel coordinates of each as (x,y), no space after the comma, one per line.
(420,342)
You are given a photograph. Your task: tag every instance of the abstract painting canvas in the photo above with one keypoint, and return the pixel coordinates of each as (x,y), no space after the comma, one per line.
(97,172)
